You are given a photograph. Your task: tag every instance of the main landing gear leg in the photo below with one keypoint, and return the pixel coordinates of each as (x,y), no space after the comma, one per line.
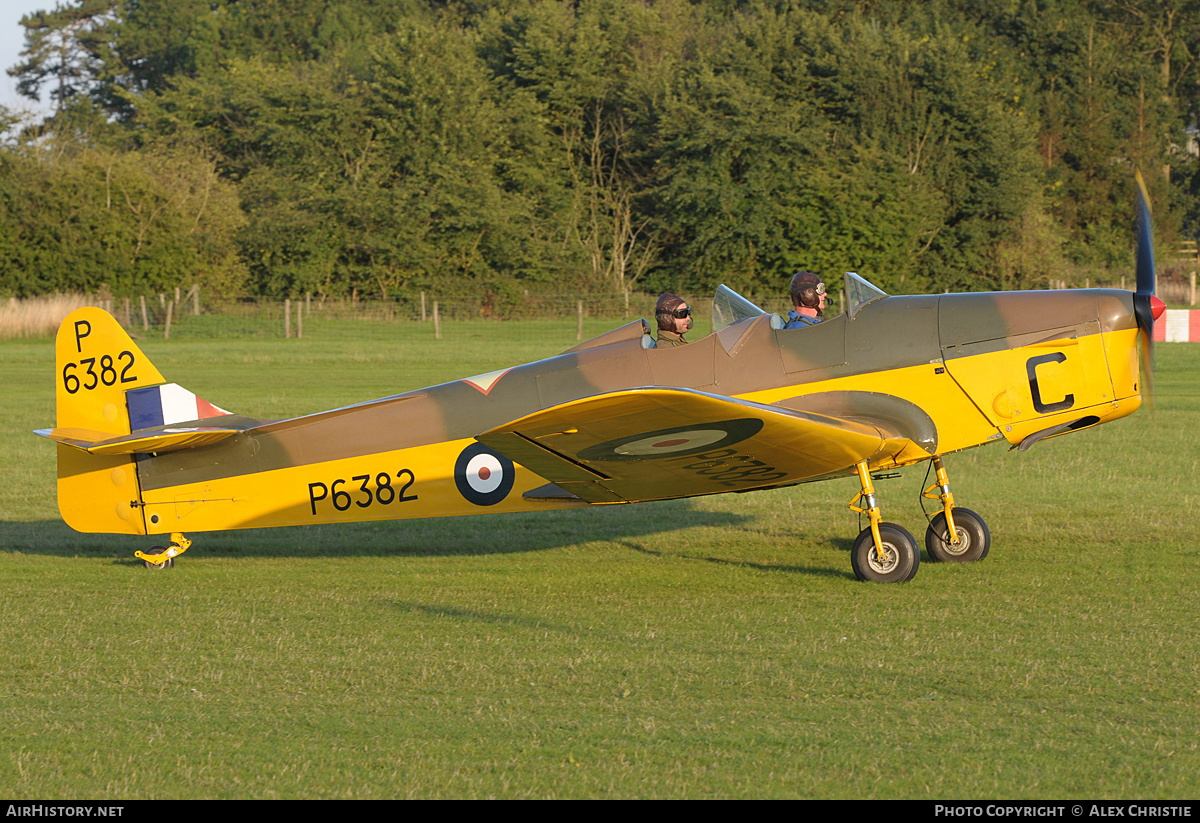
(954,535)
(163,557)
(883,552)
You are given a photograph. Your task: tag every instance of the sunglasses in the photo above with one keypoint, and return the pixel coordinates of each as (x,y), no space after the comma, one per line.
(679,314)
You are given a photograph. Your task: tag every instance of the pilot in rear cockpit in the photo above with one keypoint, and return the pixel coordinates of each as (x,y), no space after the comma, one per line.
(674,320)
(808,300)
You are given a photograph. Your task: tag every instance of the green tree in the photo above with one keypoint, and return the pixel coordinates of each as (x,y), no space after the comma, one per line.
(461,163)
(64,49)
(387,146)
(73,218)
(589,66)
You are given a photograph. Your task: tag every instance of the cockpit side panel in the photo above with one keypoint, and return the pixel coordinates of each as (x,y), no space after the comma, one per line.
(809,348)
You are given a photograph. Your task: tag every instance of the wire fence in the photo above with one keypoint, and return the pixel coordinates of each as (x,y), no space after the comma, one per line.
(557,320)
(565,319)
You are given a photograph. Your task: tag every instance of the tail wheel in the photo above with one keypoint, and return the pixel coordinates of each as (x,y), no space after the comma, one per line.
(974,538)
(900,560)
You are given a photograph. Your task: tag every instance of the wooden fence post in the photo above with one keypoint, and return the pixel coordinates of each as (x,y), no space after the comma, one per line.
(167,328)
(145,317)
(579,324)
(299,320)
(422,307)
(287,318)
(437,322)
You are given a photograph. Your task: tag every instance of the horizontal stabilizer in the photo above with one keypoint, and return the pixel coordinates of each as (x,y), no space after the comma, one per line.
(144,442)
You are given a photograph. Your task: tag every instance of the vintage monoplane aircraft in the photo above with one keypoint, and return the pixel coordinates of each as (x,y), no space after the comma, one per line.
(891,382)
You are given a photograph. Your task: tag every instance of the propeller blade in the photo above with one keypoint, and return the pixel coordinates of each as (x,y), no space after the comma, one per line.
(1146,306)
(1145,238)
(1147,369)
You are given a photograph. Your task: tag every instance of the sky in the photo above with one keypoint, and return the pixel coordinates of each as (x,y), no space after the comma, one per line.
(12,40)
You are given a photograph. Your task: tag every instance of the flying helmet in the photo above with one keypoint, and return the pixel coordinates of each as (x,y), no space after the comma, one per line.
(806,290)
(667,310)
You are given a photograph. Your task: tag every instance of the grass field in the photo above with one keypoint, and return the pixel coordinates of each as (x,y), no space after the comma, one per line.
(710,648)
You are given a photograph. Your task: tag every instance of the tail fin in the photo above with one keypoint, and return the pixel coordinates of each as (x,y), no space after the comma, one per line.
(96,363)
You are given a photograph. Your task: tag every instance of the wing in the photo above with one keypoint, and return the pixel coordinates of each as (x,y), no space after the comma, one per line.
(660,443)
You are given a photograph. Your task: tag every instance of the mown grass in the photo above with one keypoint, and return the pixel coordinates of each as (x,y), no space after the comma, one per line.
(718,647)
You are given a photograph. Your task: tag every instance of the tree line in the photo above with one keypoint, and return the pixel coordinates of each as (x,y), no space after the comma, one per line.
(382,147)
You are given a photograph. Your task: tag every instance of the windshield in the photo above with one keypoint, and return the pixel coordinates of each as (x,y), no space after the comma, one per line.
(859,293)
(729,307)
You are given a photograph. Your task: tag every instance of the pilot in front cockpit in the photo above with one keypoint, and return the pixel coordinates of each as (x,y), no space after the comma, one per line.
(808,300)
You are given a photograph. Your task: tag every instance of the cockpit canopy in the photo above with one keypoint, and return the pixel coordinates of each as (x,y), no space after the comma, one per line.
(729,307)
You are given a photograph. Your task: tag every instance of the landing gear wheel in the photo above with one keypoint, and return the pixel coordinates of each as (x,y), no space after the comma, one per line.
(901,555)
(974,538)
(158,550)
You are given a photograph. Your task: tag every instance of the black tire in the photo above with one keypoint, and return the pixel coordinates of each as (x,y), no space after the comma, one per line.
(902,555)
(975,540)
(158,550)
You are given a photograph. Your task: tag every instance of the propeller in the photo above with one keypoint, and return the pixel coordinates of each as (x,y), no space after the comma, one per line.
(1146,306)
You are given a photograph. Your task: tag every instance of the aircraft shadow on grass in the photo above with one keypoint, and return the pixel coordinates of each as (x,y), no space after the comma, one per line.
(434,537)
(837,544)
